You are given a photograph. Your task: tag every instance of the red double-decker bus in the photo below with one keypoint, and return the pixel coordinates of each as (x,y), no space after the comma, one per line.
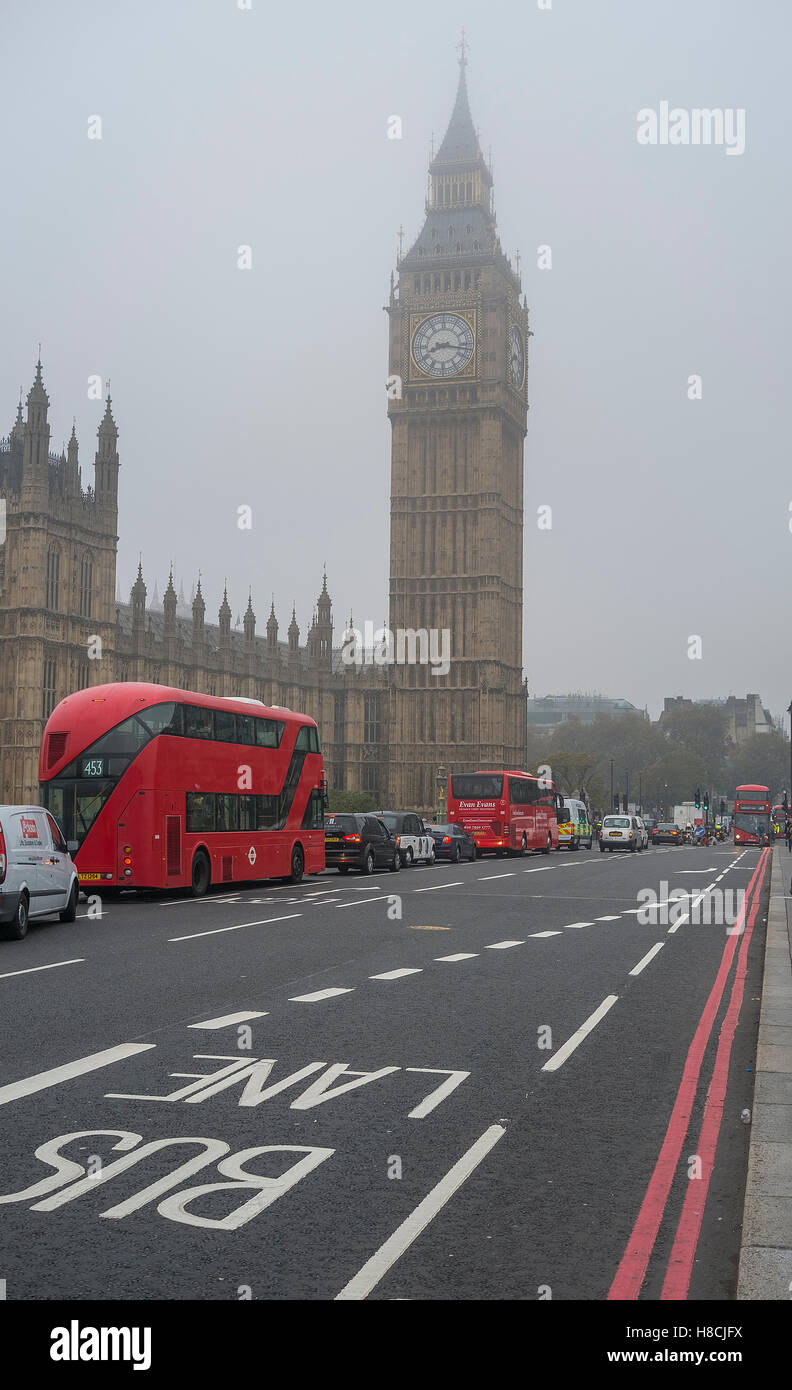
(156,787)
(508,812)
(751,814)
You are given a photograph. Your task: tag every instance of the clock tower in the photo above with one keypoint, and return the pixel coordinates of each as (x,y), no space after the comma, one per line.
(457,405)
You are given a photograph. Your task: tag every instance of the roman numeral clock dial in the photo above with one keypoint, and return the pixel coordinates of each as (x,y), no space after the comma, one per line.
(516,358)
(443,345)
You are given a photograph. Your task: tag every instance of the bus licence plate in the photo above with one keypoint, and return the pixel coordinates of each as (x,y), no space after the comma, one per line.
(88,878)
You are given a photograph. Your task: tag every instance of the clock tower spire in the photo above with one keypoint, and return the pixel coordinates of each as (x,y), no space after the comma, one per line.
(458,338)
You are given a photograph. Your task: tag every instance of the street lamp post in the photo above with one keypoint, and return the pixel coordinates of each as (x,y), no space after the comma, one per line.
(610,808)
(640,802)
(789,795)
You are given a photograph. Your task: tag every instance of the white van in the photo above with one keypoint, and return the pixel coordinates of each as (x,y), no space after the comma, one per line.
(37,876)
(574,828)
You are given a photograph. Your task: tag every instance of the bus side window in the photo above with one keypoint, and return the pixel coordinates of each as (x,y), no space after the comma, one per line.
(245,728)
(198,722)
(269,733)
(200,811)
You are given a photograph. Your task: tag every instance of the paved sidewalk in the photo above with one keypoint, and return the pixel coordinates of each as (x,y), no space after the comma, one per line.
(766,1251)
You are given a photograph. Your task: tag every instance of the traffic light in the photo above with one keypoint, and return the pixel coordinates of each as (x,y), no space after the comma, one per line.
(698,798)
(706,801)
(615,801)
(722,807)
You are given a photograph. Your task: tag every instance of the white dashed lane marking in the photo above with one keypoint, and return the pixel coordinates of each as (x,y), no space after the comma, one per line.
(503,945)
(319,994)
(32,969)
(545,933)
(559,1057)
(575,926)
(457,884)
(228,1019)
(460,955)
(650,955)
(215,931)
(397,974)
(488,878)
(609,917)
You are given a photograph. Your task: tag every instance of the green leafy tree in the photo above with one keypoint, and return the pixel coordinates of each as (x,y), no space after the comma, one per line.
(700,730)
(351,801)
(763,759)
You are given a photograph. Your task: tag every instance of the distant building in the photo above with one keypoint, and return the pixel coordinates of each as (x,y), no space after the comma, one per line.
(547,711)
(745,717)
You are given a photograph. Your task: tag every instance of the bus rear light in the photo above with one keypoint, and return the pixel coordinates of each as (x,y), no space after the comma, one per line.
(2,858)
(127,861)
(127,849)
(127,873)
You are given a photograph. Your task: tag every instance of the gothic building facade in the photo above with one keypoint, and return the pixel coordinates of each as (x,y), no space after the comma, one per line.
(458,353)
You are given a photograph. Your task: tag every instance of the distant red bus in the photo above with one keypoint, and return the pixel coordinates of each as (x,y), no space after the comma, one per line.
(508,812)
(751,814)
(156,787)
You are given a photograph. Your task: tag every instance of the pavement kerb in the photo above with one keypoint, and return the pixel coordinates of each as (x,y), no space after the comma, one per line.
(766,1243)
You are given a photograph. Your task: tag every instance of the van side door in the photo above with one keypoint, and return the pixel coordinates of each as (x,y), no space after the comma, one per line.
(58,865)
(29,846)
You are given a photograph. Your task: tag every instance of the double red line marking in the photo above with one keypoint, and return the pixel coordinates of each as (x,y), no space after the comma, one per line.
(632,1268)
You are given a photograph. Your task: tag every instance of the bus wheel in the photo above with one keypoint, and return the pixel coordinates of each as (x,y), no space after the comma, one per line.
(297,864)
(201,874)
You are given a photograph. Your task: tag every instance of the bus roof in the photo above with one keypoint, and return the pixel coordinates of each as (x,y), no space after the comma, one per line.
(755,787)
(101,707)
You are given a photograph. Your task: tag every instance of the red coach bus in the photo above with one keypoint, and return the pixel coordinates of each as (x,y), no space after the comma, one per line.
(508,812)
(751,814)
(161,788)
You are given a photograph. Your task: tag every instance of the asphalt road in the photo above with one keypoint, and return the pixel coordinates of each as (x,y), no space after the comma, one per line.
(460,1082)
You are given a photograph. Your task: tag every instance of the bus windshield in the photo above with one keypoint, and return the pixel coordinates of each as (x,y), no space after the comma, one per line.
(476,786)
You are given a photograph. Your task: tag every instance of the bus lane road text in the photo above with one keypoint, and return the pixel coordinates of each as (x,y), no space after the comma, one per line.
(284,1165)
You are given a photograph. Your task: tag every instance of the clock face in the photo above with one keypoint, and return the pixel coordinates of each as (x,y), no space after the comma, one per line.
(516,358)
(443,344)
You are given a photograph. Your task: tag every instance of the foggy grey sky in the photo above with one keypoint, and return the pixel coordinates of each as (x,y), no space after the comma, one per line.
(269,127)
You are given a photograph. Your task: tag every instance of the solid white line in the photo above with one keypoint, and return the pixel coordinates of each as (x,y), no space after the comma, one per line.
(559,1057)
(457,884)
(79,960)
(362,902)
(320,994)
(502,945)
(367,888)
(374,1269)
(545,933)
(650,955)
(460,955)
(543,870)
(215,931)
(573,926)
(228,1019)
(44,1079)
(487,878)
(397,974)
